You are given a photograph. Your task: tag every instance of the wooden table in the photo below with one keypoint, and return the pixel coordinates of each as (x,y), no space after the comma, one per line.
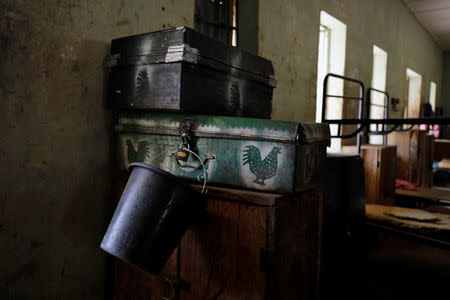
(433,231)
(435,198)
(433,193)
(405,259)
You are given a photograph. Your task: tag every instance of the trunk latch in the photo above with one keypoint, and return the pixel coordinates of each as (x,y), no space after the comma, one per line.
(185,130)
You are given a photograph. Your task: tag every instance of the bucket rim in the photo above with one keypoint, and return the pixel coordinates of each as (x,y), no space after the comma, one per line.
(165,173)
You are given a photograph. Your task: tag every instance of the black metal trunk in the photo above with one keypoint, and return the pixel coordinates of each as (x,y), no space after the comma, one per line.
(181,70)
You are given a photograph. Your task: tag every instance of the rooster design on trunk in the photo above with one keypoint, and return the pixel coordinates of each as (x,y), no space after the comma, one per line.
(263,169)
(141,154)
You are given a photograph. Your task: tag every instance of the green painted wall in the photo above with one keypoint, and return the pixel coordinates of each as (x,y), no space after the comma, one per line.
(445,99)
(55,144)
(56,132)
(289,35)
(248,25)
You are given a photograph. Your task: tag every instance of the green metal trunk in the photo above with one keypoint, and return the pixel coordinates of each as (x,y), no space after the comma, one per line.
(264,155)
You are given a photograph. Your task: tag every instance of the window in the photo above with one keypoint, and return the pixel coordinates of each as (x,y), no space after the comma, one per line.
(217,19)
(331,59)
(234,37)
(414,89)
(377,100)
(433,88)
(323,67)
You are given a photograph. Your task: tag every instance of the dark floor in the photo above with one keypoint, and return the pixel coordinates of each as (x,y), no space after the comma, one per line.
(389,266)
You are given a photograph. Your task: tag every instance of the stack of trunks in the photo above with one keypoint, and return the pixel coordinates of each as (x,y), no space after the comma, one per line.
(178,89)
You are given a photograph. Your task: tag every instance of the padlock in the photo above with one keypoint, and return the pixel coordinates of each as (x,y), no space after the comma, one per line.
(182,154)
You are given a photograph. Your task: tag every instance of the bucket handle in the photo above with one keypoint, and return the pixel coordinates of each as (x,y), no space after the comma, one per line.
(202,163)
(199,166)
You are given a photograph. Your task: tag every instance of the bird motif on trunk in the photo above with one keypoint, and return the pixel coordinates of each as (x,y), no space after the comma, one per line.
(141,154)
(263,169)
(143,85)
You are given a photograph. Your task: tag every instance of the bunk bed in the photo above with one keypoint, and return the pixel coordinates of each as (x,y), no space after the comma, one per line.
(391,250)
(363,123)
(384,127)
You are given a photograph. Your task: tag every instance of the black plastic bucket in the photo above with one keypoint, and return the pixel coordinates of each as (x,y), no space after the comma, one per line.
(154,211)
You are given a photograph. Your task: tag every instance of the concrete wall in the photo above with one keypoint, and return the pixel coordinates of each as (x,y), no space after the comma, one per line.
(55,144)
(445,102)
(248,25)
(289,35)
(55,153)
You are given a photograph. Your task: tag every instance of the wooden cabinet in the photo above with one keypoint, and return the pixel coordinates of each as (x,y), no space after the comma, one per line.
(379,172)
(441,149)
(407,143)
(248,245)
(414,156)
(425,160)
(130,282)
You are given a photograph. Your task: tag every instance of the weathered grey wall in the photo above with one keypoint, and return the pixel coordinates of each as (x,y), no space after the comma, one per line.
(248,25)
(289,35)
(445,99)
(56,130)
(55,152)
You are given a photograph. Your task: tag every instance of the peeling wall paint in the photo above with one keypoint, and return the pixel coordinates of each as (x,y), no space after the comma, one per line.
(291,40)
(56,139)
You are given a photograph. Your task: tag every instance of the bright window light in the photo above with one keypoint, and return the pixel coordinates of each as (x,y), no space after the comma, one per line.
(378,99)
(414,84)
(433,88)
(331,59)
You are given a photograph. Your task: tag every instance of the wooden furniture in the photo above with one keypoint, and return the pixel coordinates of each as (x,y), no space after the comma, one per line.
(435,199)
(400,258)
(431,225)
(414,156)
(248,245)
(379,172)
(434,193)
(425,160)
(407,148)
(406,258)
(441,149)
(343,220)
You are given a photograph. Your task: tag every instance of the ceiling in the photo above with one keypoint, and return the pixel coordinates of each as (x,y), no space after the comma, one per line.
(435,17)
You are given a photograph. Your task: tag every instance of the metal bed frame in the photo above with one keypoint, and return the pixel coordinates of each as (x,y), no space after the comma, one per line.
(386,114)
(363,124)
